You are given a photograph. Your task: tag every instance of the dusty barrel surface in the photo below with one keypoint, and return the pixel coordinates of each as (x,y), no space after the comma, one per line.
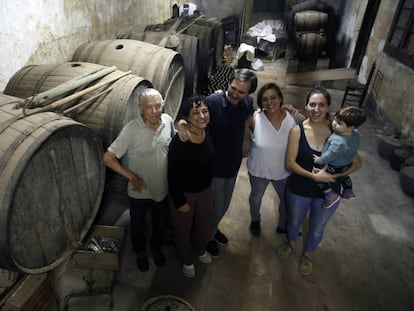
(310,21)
(310,44)
(51,185)
(187,46)
(210,40)
(163,67)
(106,114)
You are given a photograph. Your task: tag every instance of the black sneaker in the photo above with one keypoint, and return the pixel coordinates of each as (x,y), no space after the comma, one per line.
(221,239)
(280,231)
(283,232)
(255,228)
(142,262)
(212,249)
(159,258)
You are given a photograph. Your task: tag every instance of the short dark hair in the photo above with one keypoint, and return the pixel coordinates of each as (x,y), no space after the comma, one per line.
(264,88)
(190,103)
(351,116)
(245,74)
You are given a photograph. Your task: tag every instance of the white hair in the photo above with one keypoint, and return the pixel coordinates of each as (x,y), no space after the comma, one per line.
(147,93)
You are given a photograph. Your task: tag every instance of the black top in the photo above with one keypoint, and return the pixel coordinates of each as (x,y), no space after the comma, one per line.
(227,123)
(190,167)
(299,184)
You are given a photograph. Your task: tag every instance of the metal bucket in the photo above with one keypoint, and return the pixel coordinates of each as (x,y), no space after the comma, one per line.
(51,184)
(163,67)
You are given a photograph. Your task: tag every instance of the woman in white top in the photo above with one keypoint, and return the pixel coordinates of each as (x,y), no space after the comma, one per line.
(266,160)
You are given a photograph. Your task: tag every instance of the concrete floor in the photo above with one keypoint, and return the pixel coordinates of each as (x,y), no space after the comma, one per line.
(365,261)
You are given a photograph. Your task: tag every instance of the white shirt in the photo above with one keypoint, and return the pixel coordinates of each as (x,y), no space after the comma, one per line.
(266,158)
(146,155)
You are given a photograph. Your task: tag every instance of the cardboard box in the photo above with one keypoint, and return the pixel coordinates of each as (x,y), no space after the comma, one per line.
(99,258)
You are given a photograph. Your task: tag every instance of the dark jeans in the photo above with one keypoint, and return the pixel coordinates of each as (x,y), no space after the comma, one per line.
(138,214)
(344,181)
(192,228)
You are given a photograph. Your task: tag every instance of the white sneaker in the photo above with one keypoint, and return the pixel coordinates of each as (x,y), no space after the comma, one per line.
(205,258)
(189,271)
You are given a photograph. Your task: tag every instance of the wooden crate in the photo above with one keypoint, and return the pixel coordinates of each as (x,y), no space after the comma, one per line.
(33,293)
(89,259)
(8,278)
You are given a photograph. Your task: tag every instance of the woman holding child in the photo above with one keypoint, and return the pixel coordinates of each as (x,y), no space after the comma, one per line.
(306,140)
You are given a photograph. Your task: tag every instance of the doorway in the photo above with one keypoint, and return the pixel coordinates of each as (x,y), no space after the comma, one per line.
(364,34)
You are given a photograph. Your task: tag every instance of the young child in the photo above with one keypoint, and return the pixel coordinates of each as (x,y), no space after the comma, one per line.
(339,152)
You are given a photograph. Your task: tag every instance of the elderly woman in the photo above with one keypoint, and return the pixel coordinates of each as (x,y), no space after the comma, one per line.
(143,143)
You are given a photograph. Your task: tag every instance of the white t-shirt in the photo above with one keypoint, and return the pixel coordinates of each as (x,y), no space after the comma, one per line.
(266,158)
(146,155)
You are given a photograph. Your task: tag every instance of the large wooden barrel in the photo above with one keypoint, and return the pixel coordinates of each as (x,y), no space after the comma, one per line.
(216,37)
(211,41)
(105,115)
(310,21)
(188,47)
(315,5)
(51,184)
(163,67)
(310,44)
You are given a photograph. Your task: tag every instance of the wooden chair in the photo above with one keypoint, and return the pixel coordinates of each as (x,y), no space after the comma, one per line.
(355,92)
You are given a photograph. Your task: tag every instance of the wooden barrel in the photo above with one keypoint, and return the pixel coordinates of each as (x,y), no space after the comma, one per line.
(207,45)
(315,5)
(105,115)
(217,41)
(310,21)
(163,67)
(188,47)
(51,184)
(310,44)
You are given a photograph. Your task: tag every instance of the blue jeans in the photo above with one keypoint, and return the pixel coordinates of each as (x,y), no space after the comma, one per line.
(258,187)
(222,192)
(318,218)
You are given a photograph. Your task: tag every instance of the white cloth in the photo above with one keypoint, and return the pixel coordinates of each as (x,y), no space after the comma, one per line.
(266,30)
(266,158)
(245,48)
(146,155)
(187,8)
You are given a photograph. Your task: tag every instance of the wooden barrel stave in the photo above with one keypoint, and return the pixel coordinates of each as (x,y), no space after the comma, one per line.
(106,115)
(51,184)
(162,66)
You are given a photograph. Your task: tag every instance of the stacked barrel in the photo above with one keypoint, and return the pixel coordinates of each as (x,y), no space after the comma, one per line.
(200,40)
(55,122)
(309,28)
